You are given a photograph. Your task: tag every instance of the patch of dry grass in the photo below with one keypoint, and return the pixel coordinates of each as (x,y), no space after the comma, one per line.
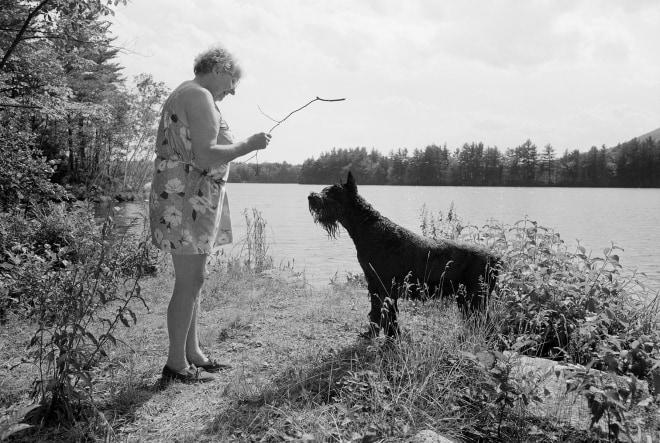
(365,389)
(261,324)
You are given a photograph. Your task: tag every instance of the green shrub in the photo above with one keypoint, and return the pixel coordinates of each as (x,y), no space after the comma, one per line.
(54,238)
(59,237)
(24,172)
(78,283)
(565,303)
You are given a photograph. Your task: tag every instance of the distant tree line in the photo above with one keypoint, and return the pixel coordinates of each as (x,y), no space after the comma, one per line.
(240,172)
(632,164)
(69,117)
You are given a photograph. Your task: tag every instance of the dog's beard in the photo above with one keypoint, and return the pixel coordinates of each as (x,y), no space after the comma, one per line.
(327,220)
(331,228)
(329,225)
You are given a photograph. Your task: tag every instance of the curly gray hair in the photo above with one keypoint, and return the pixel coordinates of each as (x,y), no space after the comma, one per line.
(217,55)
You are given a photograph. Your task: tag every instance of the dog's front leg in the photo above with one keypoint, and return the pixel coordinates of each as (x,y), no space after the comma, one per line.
(389,317)
(375,315)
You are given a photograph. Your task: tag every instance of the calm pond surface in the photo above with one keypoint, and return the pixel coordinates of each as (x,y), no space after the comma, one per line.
(594,216)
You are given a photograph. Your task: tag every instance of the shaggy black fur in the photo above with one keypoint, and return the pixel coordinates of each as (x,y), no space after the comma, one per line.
(397,262)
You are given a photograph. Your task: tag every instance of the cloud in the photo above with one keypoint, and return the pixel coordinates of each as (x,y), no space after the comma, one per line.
(572,73)
(506,34)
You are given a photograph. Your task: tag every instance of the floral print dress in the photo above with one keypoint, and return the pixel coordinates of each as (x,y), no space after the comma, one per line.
(188,206)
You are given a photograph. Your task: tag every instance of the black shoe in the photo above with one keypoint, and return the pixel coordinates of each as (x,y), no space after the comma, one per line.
(214,366)
(189,375)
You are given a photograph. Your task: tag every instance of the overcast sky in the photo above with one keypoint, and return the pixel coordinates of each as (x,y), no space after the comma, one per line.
(570,73)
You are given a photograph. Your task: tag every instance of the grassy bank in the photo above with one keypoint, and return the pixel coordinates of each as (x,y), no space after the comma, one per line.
(301,373)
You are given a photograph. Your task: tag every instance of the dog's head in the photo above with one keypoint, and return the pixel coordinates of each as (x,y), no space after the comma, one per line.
(327,207)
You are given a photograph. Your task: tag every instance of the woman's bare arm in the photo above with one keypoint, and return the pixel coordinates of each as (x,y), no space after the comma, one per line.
(204,124)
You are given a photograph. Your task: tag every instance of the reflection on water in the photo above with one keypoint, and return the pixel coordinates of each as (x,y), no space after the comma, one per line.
(594,216)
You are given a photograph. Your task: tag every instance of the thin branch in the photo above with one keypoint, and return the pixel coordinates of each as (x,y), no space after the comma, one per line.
(24,28)
(279,122)
(268,116)
(40,35)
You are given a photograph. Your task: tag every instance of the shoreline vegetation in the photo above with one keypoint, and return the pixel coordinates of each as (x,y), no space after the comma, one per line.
(569,350)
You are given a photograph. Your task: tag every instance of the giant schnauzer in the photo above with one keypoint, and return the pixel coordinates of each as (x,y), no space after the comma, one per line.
(397,262)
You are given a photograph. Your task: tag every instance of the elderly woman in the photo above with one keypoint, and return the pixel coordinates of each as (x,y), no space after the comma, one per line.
(188,207)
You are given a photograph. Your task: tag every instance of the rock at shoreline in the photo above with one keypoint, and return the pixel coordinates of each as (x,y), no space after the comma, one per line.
(549,379)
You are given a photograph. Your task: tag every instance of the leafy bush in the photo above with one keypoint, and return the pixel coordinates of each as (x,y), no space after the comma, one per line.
(78,283)
(24,172)
(58,238)
(570,305)
(31,247)
(566,304)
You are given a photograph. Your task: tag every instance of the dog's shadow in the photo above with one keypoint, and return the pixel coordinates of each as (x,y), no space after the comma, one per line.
(318,383)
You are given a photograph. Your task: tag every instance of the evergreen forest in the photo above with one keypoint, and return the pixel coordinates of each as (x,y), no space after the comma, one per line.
(74,126)
(635,164)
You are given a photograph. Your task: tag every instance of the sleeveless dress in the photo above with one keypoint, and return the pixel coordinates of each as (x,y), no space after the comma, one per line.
(188,205)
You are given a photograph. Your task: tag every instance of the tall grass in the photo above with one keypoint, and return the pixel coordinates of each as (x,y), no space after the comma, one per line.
(251,254)
(441,375)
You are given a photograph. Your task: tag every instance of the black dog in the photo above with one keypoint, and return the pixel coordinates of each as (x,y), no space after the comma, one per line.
(397,262)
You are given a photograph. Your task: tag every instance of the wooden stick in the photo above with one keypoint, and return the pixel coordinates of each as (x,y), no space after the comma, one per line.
(279,122)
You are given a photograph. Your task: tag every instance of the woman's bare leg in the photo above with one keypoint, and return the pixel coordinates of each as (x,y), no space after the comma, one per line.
(194,353)
(189,272)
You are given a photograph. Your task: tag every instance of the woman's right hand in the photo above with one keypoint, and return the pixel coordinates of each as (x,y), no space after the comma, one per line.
(258,141)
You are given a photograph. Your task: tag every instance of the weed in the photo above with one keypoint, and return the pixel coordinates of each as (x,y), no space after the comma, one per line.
(250,254)
(256,247)
(441,225)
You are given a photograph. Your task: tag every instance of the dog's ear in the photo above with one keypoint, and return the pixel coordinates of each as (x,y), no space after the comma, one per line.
(350,182)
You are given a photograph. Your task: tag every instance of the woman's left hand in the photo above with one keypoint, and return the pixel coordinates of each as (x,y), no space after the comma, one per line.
(258,141)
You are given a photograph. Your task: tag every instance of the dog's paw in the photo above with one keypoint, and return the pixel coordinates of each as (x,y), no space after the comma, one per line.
(372,332)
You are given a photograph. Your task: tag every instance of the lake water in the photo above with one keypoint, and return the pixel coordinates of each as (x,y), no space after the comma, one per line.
(595,216)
